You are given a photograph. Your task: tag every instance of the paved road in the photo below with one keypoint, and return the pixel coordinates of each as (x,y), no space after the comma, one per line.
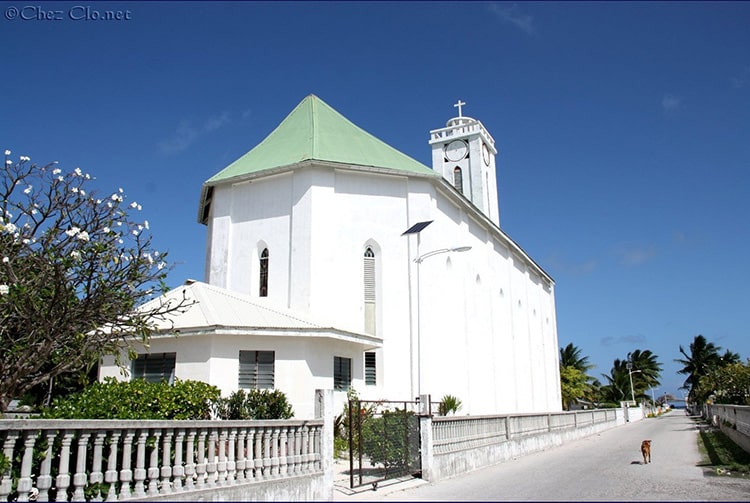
(607,466)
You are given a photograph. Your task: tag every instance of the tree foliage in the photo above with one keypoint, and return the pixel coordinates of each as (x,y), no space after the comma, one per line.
(137,399)
(703,359)
(642,368)
(575,384)
(254,404)
(74,265)
(727,384)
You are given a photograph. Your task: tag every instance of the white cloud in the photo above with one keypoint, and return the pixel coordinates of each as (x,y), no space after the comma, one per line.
(741,80)
(635,255)
(670,103)
(625,339)
(512,14)
(186,133)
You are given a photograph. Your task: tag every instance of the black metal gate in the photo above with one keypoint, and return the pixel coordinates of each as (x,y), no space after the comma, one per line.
(383,441)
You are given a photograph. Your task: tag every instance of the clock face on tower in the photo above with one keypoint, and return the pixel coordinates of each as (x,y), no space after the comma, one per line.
(456,150)
(486,154)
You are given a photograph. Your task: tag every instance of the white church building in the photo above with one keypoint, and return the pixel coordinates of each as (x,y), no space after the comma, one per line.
(335,261)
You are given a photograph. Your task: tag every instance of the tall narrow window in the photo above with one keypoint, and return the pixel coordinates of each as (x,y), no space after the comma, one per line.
(264,273)
(369,265)
(370,369)
(256,370)
(458,179)
(154,367)
(342,373)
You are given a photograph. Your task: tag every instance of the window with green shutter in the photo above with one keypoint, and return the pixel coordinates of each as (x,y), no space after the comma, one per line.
(370,369)
(342,373)
(154,367)
(257,369)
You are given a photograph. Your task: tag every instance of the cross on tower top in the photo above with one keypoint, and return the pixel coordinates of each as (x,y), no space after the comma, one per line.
(459,105)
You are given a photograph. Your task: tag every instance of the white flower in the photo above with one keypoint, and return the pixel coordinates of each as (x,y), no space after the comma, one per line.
(7,152)
(56,171)
(4,289)
(72,231)
(134,205)
(26,241)
(75,254)
(74,190)
(105,230)
(78,172)
(83,236)
(120,190)
(60,178)
(98,201)
(120,241)
(161,265)
(24,158)
(134,232)
(82,192)
(10,228)
(140,207)
(145,224)
(33,211)
(6,260)
(87,176)
(8,162)
(28,190)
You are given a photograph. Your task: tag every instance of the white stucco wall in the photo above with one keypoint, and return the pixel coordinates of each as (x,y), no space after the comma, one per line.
(486,320)
(302,364)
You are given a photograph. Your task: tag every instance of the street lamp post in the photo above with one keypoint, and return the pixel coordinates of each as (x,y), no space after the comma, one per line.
(630,374)
(418,261)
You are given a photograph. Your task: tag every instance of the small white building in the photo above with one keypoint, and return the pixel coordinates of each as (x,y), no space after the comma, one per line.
(334,260)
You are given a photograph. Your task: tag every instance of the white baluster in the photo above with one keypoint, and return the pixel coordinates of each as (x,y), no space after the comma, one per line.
(79,479)
(110,476)
(62,482)
(44,480)
(24,482)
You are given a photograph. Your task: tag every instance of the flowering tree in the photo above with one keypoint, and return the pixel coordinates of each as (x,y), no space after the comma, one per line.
(74,267)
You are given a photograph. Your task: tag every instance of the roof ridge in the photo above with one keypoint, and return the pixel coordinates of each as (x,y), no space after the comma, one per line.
(250,300)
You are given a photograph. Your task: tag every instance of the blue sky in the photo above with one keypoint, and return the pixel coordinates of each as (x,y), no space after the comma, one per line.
(623,129)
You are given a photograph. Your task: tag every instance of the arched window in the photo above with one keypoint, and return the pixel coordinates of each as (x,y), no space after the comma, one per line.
(458,179)
(369,267)
(264,273)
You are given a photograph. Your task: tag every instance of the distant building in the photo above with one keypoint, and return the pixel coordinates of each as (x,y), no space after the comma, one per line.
(334,260)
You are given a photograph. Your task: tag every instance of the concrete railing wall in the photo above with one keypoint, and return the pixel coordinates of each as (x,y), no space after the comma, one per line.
(170,460)
(455,445)
(734,421)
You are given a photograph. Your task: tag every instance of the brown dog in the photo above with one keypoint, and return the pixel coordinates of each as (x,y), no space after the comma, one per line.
(646,451)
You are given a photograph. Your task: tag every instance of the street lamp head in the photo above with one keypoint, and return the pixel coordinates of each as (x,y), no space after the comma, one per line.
(419,259)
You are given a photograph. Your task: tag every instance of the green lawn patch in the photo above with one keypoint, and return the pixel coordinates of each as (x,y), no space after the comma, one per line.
(722,456)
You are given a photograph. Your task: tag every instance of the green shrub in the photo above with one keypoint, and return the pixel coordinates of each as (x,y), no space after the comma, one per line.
(388,438)
(254,404)
(449,404)
(137,399)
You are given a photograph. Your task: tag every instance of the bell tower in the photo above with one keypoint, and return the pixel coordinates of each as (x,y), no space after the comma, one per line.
(464,153)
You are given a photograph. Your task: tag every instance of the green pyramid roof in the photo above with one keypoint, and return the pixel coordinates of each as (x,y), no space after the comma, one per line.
(315,131)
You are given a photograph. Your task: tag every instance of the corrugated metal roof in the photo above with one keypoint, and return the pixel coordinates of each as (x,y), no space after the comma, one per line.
(315,131)
(210,307)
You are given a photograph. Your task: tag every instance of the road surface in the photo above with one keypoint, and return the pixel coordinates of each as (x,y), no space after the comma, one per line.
(604,467)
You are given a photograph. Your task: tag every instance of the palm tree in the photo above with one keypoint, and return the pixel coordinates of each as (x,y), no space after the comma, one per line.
(617,388)
(570,356)
(646,371)
(703,357)
(575,383)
